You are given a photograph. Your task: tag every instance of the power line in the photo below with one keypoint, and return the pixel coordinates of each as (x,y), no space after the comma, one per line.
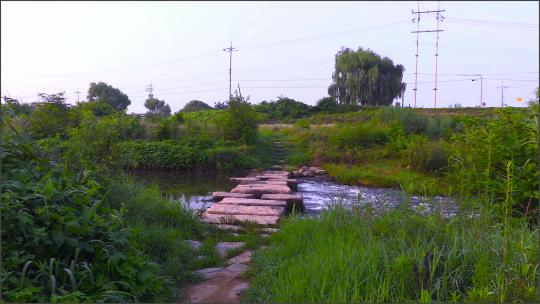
(322,35)
(491,22)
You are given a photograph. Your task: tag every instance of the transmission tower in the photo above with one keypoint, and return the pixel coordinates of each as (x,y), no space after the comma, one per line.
(230,50)
(150,90)
(77,94)
(418,32)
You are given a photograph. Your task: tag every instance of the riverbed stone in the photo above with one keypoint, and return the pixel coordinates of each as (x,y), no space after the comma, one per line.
(224,247)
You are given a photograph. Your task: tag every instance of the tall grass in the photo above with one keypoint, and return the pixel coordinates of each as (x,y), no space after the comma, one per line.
(351,256)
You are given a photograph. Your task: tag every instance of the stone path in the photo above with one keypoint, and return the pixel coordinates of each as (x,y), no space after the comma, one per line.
(262,198)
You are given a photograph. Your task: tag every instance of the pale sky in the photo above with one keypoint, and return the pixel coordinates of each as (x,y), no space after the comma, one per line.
(284,48)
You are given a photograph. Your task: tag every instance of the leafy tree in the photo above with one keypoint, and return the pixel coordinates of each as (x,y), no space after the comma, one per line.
(220,105)
(99,108)
(17,107)
(327,104)
(52,116)
(106,93)
(57,98)
(283,107)
(196,105)
(157,107)
(364,78)
(240,120)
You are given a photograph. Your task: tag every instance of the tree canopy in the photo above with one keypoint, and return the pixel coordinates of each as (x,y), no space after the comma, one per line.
(283,107)
(157,107)
(196,105)
(363,77)
(106,93)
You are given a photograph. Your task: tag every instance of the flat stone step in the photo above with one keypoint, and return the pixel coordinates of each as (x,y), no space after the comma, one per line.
(266,182)
(293,198)
(243,179)
(224,219)
(275,177)
(222,195)
(242,209)
(251,202)
(277,167)
(261,189)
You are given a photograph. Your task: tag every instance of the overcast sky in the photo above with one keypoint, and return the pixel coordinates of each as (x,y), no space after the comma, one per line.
(284,48)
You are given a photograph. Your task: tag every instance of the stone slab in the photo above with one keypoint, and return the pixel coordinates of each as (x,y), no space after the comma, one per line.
(261,189)
(243,179)
(252,202)
(222,208)
(293,198)
(222,195)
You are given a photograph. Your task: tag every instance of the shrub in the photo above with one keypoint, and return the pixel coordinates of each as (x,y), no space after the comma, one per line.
(425,156)
(239,121)
(61,241)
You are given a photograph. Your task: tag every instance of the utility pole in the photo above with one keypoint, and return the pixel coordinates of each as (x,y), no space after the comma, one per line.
(502,92)
(239,92)
(230,50)
(481,85)
(417,32)
(77,95)
(150,90)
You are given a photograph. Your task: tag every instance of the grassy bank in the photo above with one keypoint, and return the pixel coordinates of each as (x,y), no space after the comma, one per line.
(352,257)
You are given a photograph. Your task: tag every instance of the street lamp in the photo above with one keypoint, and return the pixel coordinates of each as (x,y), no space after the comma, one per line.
(481,86)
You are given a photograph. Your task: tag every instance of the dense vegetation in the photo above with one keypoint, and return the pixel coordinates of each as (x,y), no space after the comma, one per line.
(75,228)
(487,252)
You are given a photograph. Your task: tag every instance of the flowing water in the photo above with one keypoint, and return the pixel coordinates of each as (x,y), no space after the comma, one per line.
(194,190)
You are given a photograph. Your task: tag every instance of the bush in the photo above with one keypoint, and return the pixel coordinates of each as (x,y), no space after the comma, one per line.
(239,121)
(425,156)
(61,240)
(195,105)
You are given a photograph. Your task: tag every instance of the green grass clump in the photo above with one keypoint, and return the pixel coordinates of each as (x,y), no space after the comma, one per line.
(350,257)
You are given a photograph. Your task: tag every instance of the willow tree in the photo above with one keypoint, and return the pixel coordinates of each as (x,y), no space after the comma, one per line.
(363,77)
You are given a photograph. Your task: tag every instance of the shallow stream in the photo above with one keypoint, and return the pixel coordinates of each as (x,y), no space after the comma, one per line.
(194,190)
